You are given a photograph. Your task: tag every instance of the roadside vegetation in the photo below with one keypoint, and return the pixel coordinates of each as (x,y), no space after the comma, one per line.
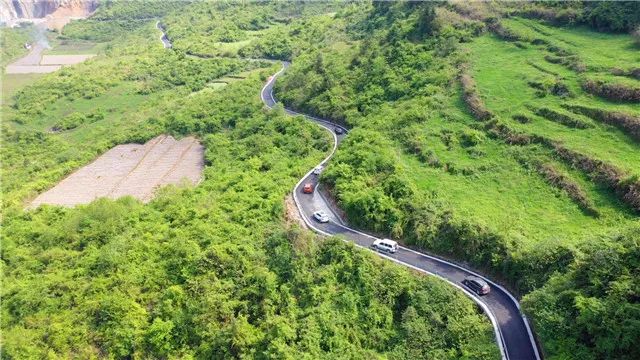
(12,41)
(213,271)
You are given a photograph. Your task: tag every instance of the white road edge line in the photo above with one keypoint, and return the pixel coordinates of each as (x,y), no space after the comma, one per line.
(491,316)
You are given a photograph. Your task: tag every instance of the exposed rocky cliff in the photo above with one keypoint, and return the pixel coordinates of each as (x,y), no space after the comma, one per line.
(12,10)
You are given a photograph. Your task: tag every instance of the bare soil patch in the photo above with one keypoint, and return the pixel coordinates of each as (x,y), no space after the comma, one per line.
(292,215)
(35,62)
(130,169)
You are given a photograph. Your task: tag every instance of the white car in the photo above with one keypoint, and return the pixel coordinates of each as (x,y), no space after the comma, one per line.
(317,170)
(385,245)
(321,216)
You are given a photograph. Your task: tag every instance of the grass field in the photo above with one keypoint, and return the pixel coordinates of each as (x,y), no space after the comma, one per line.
(508,198)
(11,83)
(598,50)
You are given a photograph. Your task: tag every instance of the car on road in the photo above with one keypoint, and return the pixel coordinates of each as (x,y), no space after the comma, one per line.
(307,188)
(476,284)
(338,130)
(385,245)
(321,216)
(317,170)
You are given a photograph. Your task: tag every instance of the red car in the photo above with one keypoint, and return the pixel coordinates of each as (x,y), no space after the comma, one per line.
(308,188)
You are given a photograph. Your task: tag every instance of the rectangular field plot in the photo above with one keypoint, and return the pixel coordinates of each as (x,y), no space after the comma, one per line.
(131,169)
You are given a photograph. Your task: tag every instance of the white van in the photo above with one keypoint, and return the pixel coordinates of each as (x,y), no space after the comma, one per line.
(386,245)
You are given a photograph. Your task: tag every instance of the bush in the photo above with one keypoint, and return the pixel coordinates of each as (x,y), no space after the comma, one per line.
(561,118)
(572,62)
(573,189)
(521,118)
(472,97)
(76,119)
(471,137)
(626,187)
(616,92)
(626,122)
(589,309)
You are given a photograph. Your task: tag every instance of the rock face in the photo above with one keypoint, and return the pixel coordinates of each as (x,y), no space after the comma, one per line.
(11,10)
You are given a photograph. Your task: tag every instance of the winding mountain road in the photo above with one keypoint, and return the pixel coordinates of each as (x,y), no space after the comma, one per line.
(512,330)
(165,40)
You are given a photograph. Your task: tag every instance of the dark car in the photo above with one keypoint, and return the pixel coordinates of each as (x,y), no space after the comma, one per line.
(476,284)
(338,130)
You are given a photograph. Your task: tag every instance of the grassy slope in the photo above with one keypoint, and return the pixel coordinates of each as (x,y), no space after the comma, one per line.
(506,197)
(517,201)
(502,72)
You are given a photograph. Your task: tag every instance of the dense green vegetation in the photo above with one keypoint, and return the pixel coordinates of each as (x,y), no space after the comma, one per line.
(115,19)
(618,16)
(213,271)
(596,299)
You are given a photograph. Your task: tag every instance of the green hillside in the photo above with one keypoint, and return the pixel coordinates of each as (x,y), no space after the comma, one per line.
(504,136)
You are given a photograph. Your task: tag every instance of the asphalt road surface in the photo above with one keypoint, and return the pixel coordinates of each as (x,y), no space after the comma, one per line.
(512,330)
(165,40)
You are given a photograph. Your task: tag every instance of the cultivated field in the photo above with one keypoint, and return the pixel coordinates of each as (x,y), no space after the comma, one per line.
(36,62)
(131,169)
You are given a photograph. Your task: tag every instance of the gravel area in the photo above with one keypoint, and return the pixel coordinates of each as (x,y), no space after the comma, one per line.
(131,169)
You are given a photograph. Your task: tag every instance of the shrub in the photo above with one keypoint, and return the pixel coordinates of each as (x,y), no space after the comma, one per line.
(618,92)
(76,119)
(561,118)
(521,118)
(626,122)
(472,98)
(578,308)
(471,137)
(557,179)
(627,188)
(633,72)
(507,34)
(572,62)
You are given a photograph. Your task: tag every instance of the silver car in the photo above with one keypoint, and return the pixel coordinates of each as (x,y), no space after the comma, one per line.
(317,170)
(321,216)
(385,245)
